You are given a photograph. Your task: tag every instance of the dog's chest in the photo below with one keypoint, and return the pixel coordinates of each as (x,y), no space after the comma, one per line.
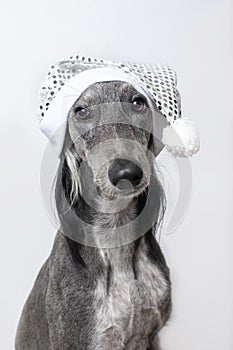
(128,309)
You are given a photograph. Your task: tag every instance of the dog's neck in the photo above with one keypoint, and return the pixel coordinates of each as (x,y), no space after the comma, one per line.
(114,262)
(110,229)
(98,225)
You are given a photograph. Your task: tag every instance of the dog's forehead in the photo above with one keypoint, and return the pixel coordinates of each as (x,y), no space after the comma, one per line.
(107,91)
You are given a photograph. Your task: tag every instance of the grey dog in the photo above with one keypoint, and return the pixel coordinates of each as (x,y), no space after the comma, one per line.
(116,292)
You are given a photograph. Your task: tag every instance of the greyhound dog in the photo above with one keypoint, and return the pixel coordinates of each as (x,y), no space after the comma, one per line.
(116,292)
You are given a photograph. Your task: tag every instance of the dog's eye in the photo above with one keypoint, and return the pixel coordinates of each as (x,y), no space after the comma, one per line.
(81,112)
(138,104)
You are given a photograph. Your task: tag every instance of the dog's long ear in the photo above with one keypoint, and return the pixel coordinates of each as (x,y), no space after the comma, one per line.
(155,145)
(66,196)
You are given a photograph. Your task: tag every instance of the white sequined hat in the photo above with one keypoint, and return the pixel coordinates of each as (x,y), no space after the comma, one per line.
(68,78)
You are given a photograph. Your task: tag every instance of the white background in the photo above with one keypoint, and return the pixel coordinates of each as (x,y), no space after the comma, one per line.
(194,37)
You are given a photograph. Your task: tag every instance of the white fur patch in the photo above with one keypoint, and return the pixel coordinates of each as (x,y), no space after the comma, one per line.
(129,311)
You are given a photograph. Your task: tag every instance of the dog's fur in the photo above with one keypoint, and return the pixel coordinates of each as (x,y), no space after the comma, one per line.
(89,297)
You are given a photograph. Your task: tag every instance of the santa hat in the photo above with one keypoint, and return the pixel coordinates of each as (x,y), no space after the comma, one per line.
(68,78)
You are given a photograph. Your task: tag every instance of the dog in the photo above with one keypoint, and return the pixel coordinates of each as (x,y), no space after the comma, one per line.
(106,284)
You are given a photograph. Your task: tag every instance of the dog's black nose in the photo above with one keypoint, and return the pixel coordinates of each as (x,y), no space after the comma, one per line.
(123,169)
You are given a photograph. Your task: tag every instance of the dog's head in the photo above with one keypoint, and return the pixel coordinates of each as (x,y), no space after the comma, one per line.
(110,130)
(107,162)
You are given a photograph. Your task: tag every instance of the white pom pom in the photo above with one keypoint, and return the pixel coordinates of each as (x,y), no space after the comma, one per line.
(181,138)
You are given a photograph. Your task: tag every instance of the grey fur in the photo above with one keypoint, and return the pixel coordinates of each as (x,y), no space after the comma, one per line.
(122,298)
